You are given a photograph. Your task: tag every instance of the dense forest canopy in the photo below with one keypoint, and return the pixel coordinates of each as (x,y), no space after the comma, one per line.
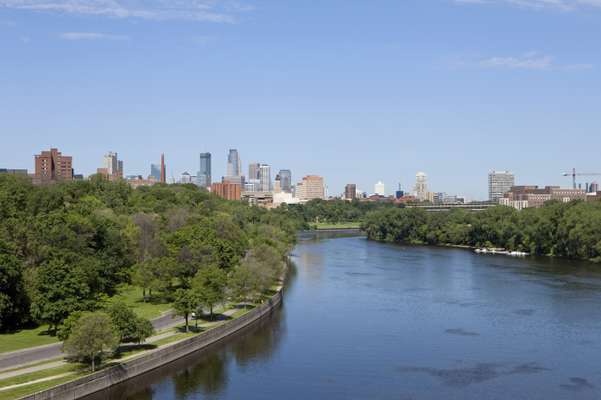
(333,211)
(570,230)
(67,247)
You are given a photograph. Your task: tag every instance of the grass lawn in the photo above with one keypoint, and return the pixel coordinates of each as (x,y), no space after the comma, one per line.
(25,338)
(32,337)
(174,338)
(37,387)
(132,296)
(35,364)
(339,225)
(34,376)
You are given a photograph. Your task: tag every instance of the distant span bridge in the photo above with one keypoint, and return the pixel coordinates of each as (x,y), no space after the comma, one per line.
(475,207)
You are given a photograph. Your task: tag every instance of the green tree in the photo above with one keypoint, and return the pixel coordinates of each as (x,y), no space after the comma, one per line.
(66,327)
(128,326)
(186,302)
(244,283)
(60,288)
(210,283)
(14,303)
(92,337)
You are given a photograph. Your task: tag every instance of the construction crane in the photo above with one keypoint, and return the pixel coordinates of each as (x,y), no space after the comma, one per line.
(574,174)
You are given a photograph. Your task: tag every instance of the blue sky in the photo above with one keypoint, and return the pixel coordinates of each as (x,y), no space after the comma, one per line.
(356,91)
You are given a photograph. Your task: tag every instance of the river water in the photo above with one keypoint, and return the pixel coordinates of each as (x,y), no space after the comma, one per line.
(365,320)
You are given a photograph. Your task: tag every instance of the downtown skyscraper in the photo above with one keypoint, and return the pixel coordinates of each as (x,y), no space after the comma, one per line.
(285,180)
(234,169)
(265,178)
(203,177)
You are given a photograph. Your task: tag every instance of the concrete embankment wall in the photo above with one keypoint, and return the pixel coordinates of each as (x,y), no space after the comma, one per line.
(155,359)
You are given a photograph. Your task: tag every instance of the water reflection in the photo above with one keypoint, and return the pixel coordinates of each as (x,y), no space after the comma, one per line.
(365,320)
(204,373)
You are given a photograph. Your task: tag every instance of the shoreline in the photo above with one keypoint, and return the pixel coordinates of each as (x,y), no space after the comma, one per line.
(473,248)
(106,378)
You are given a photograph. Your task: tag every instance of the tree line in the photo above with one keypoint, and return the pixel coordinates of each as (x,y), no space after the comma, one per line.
(66,248)
(571,230)
(332,211)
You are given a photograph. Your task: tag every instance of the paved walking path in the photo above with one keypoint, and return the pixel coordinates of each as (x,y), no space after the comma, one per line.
(166,321)
(50,378)
(31,355)
(28,370)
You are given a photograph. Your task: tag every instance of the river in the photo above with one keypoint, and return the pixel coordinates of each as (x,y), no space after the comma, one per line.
(365,320)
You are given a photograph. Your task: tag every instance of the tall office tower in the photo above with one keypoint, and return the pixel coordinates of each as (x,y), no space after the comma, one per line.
(380,189)
(112,168)
(499,183)
(421,186)
(277,186)
(311,187)
(286,180)
(203,177)
(265,177)
(52,166)
(253,171)
(350,191)
(233,164)
(155,171)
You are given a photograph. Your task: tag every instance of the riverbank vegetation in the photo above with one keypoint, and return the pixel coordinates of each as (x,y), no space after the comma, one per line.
(72,247)
(332,214)
(571,230)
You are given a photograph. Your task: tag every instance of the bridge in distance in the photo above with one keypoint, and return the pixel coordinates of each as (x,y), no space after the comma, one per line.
(475,207)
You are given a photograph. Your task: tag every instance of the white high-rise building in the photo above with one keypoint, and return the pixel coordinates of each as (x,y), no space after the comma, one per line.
(380,189)
(499,183)
(185,178)
(265,177)
(421,186)
(112,167)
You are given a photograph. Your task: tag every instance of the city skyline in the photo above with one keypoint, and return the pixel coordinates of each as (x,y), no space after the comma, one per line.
(440,87)
(265,181)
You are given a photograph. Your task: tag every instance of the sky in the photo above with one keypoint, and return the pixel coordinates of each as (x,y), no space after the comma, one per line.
(355,91)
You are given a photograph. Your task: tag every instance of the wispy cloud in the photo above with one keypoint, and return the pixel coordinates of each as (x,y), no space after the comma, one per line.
(195,10)
(91,36)
(564,5)
(531,61)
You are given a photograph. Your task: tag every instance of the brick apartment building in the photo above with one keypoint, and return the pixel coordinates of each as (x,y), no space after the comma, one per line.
(52,166)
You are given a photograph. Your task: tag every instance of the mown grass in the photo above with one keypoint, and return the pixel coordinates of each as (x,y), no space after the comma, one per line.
(39,336)
(174,338)
(34,376)
(24,338)
(36,387)
(34,364)
(132,296)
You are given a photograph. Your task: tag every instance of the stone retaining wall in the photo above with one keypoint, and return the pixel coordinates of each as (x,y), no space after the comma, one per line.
(111,376)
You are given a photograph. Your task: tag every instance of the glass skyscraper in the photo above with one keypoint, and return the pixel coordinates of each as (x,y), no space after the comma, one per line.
(233,164)
(286,180)
(203,177)
(155,171)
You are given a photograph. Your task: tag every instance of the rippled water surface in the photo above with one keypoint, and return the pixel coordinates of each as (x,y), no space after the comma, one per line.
(364,320)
